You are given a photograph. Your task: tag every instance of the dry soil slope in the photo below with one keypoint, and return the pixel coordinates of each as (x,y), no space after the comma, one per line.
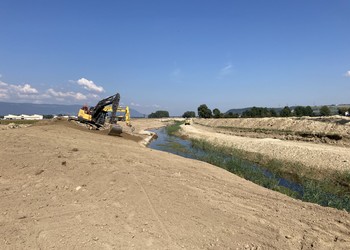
(334,124)
(67,188)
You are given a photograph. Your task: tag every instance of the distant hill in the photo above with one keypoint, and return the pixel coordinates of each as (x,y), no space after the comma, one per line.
(46,109)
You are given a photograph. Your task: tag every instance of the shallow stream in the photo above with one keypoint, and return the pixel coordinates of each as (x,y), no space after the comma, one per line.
(184,148)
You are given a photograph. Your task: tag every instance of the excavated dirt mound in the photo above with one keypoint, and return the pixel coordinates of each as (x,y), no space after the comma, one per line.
(67,188)
(330,130)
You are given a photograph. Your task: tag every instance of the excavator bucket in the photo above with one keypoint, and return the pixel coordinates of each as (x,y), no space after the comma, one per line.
(115,130)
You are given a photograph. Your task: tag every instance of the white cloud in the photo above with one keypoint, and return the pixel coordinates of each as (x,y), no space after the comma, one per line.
(135,104)
(3,84)
(26,92)
(26,89)
(94,96)
(3,96)
(156,106)
(227,70)
(347,74)
(61,95)
(90,85)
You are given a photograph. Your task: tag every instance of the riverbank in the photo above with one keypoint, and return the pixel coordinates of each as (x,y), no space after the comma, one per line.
(318,156)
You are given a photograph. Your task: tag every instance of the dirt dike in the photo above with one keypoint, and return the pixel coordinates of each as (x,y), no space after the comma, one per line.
(329,130)
(317,156)
(63,187)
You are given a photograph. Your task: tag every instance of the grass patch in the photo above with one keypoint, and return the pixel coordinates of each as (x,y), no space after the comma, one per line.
(173,128)
(174,146)
(327,188)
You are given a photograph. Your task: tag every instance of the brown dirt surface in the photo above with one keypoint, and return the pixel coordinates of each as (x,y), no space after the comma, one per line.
(330,130)
(64,187)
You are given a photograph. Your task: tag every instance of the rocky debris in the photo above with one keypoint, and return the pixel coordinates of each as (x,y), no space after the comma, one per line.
(13,126)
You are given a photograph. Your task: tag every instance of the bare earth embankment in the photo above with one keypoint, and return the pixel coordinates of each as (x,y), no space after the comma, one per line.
(279,138)
(64,187)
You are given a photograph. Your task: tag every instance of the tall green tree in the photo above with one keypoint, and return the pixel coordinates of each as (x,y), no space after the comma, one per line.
(204,111)
(308,111)
(159,114)
(303,111)
(325,111)
(342,110)
(189,114)
(286,112)
(273,113)
(217,113)
(299,111)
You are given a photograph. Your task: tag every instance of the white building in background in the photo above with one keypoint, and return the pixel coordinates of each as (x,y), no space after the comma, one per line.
(23,117)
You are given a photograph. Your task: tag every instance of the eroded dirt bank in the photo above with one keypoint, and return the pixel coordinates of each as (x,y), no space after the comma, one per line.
(64,188)
(318,156)
(329,130)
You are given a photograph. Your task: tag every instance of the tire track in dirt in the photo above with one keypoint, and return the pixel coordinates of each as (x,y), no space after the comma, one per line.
(155,214)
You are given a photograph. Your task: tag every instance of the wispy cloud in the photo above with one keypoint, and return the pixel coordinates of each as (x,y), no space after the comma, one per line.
(176,72)
(9,90)
(89,85)
(75,95)
(3,83)
(226,70)
(26,92)
(94,96)
(26,89)
(135,104)
(347,74)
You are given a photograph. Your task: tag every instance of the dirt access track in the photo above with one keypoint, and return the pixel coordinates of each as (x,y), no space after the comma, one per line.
(63,187)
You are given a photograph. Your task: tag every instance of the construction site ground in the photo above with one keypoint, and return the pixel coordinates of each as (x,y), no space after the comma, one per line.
(65,187)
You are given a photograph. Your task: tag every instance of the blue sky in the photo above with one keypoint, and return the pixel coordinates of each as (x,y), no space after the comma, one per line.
(176,54)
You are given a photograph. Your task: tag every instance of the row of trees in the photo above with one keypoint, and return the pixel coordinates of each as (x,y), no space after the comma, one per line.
(205,112)
(159,114)
(285,112)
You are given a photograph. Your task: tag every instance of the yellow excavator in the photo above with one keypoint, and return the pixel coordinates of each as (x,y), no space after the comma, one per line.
(121,110)
(96,117)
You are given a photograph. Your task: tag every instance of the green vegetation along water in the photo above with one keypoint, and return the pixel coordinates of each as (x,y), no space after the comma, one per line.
(272,176)
(251,171)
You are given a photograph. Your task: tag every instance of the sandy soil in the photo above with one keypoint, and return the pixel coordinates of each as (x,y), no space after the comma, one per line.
(63,187)
(309,129)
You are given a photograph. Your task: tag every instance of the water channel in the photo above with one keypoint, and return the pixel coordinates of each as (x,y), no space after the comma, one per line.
(184,148)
